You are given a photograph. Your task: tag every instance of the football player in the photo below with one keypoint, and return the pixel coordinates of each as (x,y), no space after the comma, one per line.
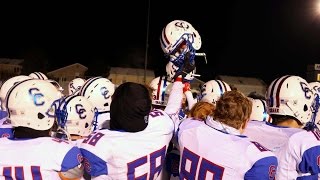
(289,103)
(219,150)
(30,109)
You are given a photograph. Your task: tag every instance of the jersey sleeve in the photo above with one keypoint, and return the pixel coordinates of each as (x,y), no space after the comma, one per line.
(94,165)
(264,168)
(175,98)
(191,101)
(264,163)
(310,153)
(6,133)
(72,159)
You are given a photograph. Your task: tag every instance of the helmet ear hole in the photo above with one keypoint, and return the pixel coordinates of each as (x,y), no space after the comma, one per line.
(40,116)
(86,125)
(305,108)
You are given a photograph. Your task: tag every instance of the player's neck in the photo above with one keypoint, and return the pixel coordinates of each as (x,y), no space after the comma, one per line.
(76,137)
(289,123)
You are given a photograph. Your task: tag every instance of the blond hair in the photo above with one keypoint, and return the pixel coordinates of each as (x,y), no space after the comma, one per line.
(201,110)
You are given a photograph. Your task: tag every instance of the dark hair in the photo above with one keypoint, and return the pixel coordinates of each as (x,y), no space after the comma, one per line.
(277,119)
(130,107)
(25,132)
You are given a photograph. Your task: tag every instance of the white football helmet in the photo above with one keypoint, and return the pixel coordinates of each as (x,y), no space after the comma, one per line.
(315,86)
(76,115)
(38,75)
(172,69)
(99,91)
(177,38)
(212,90)
(75,85)
(291,96)
(57,85)
(7,85)
(161,89)
(259,110)
(30,104)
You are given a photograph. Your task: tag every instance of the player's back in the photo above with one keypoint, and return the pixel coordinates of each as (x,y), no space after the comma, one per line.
(272,137)
(124,155)
(297,150)
(208,153)
(39,158)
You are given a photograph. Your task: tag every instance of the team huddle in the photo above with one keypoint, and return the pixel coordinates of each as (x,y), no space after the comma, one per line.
(160,130)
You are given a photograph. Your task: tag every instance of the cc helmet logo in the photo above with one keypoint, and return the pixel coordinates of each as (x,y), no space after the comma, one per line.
(181,24)
(36,96)
(80,110)
(105,92)
(306,90)
(316,88)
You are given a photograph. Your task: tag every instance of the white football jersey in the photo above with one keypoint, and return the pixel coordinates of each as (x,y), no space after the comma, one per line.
(173,108)
(39,158)
(103,120)
(125,155)
(297,150)
(210,150)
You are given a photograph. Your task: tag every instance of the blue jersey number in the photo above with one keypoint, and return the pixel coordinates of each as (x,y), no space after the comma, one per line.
(155,168)
(205,167)
(19,172)
(93,138)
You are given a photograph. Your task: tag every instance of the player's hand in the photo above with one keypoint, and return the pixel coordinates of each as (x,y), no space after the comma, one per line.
(186,87)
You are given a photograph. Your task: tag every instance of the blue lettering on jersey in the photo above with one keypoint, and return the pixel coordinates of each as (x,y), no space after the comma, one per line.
(93,138)
(19,172)
(206,167)
(133,165)
(154,169)
(155,113)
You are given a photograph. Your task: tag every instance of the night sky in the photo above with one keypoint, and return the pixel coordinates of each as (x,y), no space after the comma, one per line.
(260,38)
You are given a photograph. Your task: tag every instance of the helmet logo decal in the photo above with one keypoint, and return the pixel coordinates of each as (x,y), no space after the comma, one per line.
(36,96)
(105,92)
(73,87)
(307,92)
(316,88)
(80,110)
(182,25)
